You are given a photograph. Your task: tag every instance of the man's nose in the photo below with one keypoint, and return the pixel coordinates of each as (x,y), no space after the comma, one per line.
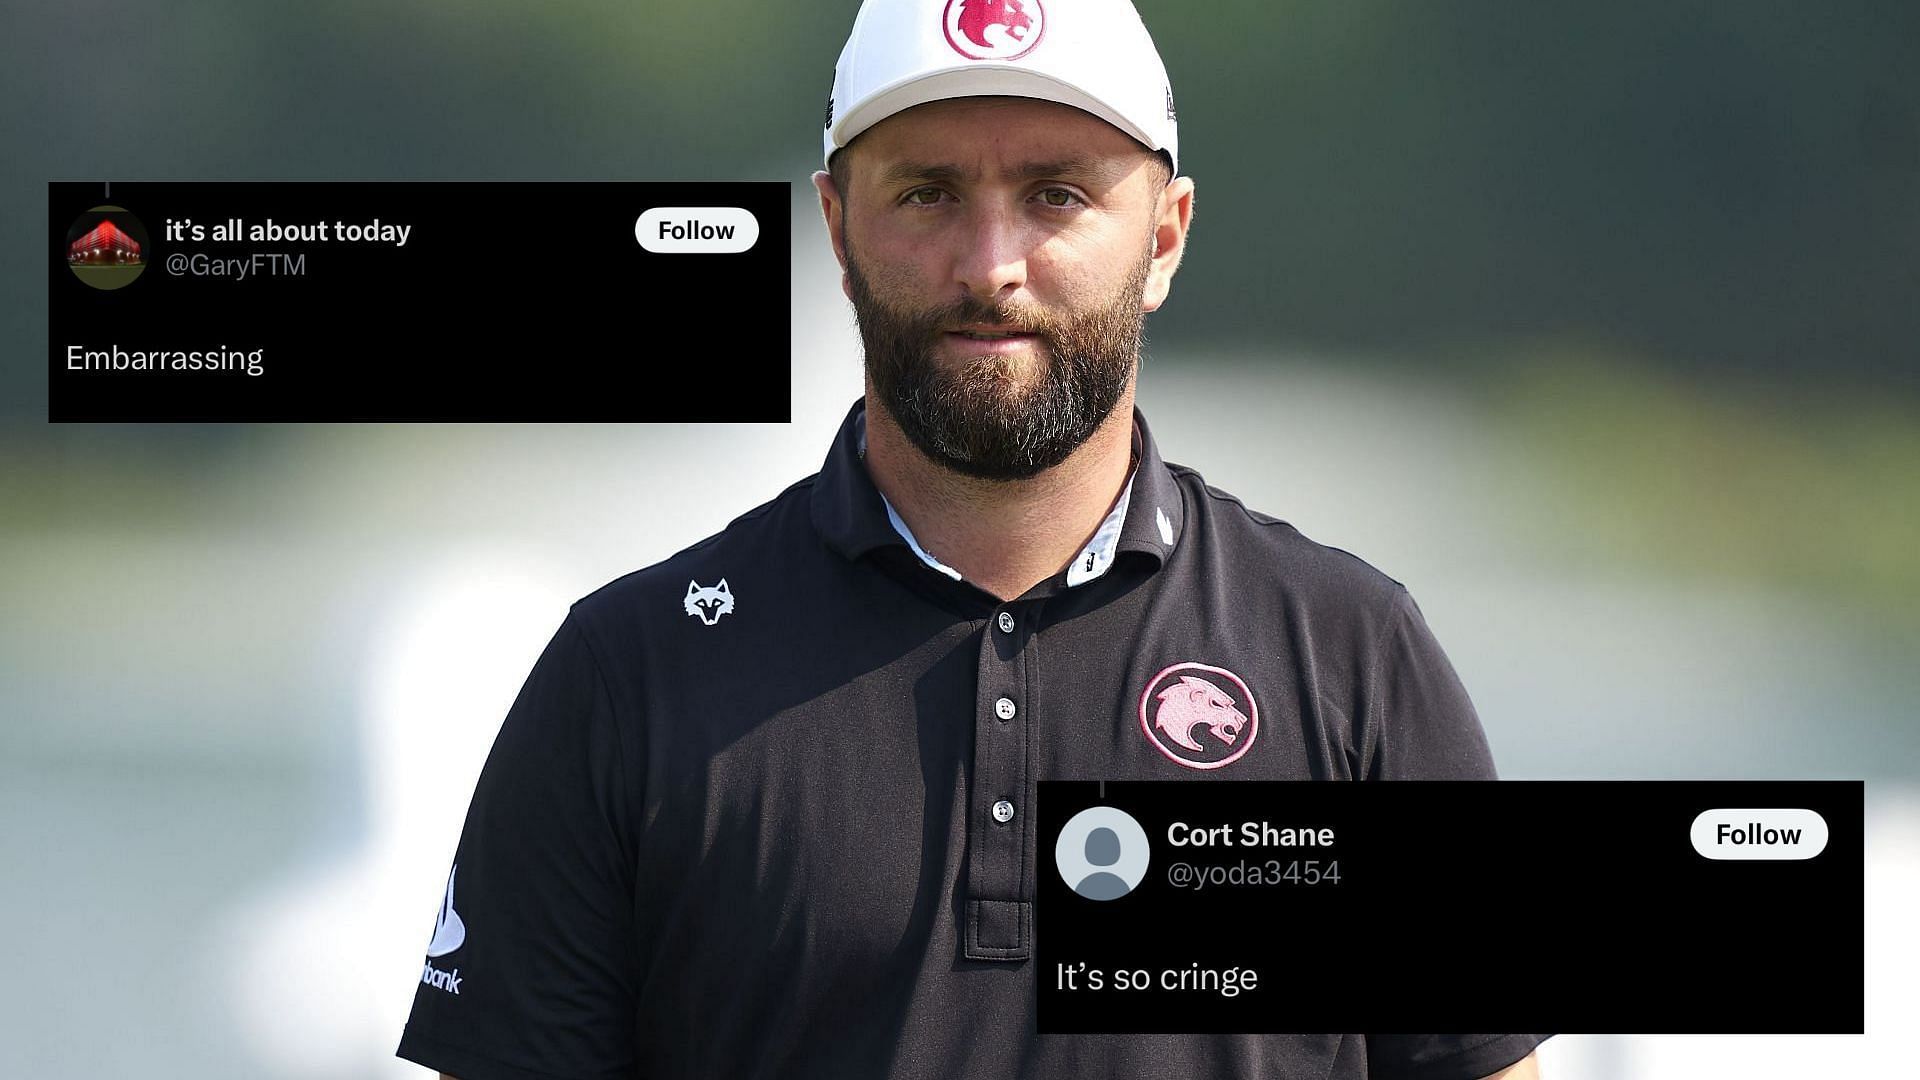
(992,261)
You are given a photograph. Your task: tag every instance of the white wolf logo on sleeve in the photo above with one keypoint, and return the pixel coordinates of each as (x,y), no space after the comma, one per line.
(708,603)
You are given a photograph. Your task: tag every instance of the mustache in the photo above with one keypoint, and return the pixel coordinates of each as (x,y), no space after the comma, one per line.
(1008,317)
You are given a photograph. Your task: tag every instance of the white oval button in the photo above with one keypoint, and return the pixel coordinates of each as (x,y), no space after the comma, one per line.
(707,230)
(1759,834)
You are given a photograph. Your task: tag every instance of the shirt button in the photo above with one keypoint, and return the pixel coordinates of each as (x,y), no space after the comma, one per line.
(1006,622)
(1004,708)
(1003,811)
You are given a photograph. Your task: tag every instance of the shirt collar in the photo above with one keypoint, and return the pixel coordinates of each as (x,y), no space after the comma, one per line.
(1092,561)
(854,518)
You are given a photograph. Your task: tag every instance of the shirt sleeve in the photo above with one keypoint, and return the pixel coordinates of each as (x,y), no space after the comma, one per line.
(1425,728)
(530,971)
(1421,724)
(1445,1057)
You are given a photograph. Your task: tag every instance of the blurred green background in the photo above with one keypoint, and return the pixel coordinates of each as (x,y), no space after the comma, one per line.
(1725,189)
(1595,324)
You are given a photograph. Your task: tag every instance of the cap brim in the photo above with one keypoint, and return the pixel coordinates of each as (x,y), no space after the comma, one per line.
(975,80)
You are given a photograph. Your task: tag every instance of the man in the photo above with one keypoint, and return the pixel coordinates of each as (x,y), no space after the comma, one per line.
(764,809)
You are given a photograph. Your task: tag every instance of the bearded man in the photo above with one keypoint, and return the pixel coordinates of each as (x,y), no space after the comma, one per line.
(765,808)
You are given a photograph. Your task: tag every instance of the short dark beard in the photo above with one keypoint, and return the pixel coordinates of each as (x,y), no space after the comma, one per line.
(967,419)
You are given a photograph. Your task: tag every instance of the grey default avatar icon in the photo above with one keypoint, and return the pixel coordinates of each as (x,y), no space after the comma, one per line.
(1102,853)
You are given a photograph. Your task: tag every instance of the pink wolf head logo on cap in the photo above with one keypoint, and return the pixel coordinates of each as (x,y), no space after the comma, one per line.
(993,29)
(1199,721)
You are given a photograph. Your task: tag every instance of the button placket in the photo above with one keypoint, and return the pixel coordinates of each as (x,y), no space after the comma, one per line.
(998,913)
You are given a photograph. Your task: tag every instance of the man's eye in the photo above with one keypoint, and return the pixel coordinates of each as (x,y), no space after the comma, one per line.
(1059,198)
(926,196)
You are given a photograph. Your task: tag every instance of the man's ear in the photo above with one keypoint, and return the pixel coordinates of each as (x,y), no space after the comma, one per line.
(833,209)
(1169,241)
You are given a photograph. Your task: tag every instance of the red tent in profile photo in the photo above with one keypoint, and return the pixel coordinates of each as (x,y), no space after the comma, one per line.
(106,244)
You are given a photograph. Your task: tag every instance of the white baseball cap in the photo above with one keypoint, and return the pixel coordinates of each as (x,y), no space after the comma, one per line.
(1094,55)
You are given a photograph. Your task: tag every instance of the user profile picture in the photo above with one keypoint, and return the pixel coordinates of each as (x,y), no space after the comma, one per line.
(1102,853)
(107,247)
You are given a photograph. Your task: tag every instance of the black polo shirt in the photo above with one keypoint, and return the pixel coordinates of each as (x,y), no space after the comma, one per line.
(763,809)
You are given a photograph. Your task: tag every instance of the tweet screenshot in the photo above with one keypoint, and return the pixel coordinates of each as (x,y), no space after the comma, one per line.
(435,301)
(1704,906)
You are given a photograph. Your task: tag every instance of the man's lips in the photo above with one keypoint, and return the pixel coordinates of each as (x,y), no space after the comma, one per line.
(989,341)
(987,332)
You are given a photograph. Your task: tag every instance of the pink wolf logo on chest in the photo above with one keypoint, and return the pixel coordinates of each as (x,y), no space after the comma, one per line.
(1199,715)
(1194,702)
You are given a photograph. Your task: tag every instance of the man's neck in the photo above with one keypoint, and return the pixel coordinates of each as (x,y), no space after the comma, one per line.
(1005,536)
